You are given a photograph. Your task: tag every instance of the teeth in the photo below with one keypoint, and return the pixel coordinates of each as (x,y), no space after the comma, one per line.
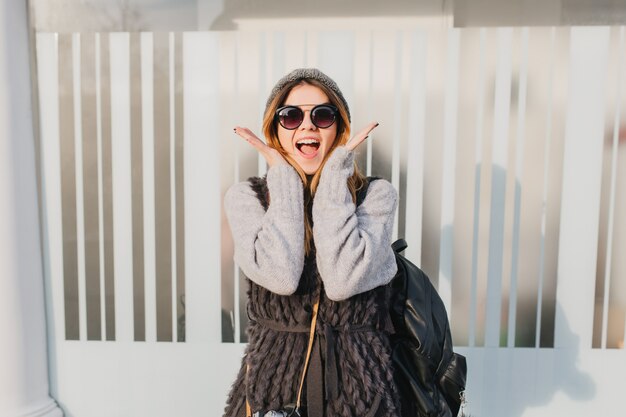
(308,142)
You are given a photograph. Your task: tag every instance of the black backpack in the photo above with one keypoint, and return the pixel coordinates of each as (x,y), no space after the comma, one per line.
(429,376)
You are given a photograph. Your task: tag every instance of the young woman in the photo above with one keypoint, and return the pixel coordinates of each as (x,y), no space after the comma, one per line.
(313,252)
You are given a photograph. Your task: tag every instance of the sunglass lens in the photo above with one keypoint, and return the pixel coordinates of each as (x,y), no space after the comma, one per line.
(323,116)
(290,117)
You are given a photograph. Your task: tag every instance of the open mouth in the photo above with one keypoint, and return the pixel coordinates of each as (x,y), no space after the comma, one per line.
(308,147)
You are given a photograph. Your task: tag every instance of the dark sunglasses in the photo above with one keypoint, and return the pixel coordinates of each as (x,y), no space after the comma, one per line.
(323,116)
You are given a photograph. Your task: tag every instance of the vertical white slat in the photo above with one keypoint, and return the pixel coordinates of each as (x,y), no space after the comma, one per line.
(227,82)
(502,104)
(172,107)
(544,197)
(361,81)
(614,161)
(415,158)
(235,315)
(100,190)
(240,149)
(279,67)
(249,56)
(202,187)
(397,125)
(370,100)
(121,169)
(404,81)
(295,45)
(383,63)
(236,293)
(48,86)
(582,164)
(147,141)
(437,51)
(266,81)
(448,166)
(264,52)
(272,57)
(311,57)
(80,212)
(621,195)
(248,98)
(336,57)
(519,154)
(509,188)
(480,114)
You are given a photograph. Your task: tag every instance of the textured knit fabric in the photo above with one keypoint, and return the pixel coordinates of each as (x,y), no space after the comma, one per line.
(269,245)
(354,245)
(348,267)
(308,73)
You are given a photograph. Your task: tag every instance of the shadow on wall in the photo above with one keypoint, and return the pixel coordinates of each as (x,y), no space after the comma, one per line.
(556,370)
(511,382)
(502,381)
(499,261)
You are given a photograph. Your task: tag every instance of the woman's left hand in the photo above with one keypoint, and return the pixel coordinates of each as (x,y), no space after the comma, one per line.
(360,136)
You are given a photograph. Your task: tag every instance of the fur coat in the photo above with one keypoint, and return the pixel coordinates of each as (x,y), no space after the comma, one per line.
(350,370)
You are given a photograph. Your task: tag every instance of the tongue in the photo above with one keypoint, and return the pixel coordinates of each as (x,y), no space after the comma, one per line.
(308,149)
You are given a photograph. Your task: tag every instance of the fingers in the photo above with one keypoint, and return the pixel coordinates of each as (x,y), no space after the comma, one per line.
(250,137)
(361,136)
(271,155)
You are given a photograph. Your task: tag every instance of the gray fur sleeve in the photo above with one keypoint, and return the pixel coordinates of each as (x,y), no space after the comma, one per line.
(269,246)
(353,244)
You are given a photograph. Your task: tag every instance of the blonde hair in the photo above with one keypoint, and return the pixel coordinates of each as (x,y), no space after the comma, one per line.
(270,130)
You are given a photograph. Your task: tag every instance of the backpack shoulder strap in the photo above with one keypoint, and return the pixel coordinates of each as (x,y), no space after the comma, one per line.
(259,186)
(362,192)
(399,245)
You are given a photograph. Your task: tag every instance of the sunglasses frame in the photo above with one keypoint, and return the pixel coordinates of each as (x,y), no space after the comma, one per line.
(333,108)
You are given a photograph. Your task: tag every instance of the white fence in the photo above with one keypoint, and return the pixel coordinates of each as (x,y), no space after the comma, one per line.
(507,147)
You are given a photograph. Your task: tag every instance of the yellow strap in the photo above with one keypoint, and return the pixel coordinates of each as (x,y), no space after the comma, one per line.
(248,410)
(309,349)
(306,361)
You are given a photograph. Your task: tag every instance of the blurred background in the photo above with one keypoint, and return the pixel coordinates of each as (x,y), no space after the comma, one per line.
(502,125)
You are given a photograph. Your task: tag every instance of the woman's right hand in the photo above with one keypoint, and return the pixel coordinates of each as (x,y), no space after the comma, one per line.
(271,155)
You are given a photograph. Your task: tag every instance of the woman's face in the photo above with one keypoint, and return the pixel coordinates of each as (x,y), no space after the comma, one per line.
(307,144)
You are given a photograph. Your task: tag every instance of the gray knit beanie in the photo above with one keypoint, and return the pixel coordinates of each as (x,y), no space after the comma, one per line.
(303,74)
